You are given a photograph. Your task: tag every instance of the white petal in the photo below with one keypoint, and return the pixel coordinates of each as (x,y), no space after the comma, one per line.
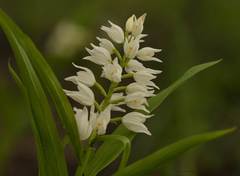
(114,32)
(107,44)
(143,77)
(138,25)
(129,23)
(73,79)
(103,120)
(134,66)
(84,95)
(117,96)
(118,108)
(78,97)
(134,125)
(136,87)
(99,55)
(112,72)
(83,124)
(147,53)
(136,101)
(131,48)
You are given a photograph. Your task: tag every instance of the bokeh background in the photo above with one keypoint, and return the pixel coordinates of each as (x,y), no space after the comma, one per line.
(189,32)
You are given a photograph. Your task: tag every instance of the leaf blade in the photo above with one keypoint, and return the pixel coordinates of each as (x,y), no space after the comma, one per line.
(155,101)
(108,152)
(51,83)
(50,151)
(151,162)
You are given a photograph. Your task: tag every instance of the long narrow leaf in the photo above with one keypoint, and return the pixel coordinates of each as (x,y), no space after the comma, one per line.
(152,162)
(50,151)
(49,81)
(110,150)
(157,100)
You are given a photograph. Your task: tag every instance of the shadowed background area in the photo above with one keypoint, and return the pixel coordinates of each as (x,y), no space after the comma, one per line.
(189,32)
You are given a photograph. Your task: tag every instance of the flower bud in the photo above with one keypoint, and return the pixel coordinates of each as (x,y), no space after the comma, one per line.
(105,43)
(129,23)
(98,55)
(102,120)
(84,126)
(136,101)
(113,71)
(137,26)
(86,77)
(147,53)
(131,48)
(134,122)
(84,95)
(114,32)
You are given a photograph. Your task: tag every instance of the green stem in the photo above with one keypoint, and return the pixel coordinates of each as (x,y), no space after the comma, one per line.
(117,53)
(97,106)
(117,101)
(81,169)
(128,75)
(107,99)
(120,88)
(100,88)
(116,119)
(89,151)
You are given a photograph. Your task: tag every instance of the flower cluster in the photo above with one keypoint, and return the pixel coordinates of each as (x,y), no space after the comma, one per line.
(130,99)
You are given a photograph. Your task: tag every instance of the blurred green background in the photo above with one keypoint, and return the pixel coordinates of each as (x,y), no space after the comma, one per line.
(189,32)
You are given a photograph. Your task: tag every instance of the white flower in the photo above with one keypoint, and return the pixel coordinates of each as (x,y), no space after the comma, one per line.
(84,95)
(86,77)
(107,44)
(116,106)
(102,120)
(136,100)
(141,36)
(135,66)
(114,32)
(135,87)
(144,78)
(134,122)
(112,71)
(84,126)
(131,48)
(129,23)
(134,25)
(147,54)
(98,55)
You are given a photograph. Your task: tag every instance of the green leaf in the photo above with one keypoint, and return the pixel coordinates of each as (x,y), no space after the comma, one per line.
(126,144)
(110,150)
(157,100)
(16,78)
(152,162)
(49,81)
(50,152)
